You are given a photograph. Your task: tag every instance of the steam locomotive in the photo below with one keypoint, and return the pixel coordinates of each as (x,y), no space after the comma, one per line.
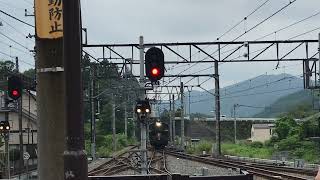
(158,134)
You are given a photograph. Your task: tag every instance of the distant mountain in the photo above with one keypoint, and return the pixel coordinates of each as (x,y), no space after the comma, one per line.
(252,95)
(303,100)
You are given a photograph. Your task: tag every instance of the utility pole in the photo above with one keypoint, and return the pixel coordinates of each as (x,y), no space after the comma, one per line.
(143,125)
(76,165)
(114,140)
(93,72)
(235,122)
(170,119)
(217,106)
(182,115)
(133,121)
(125,119)
(174,120)
(50,110)
(189,103)
(319,61)
(7,135)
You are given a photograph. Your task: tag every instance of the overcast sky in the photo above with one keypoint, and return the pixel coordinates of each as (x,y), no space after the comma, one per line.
(123,21)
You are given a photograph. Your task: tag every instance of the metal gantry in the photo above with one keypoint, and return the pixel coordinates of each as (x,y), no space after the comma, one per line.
(214,53)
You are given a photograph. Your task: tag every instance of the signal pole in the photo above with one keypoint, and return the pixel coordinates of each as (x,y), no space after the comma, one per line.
(217,106)
(93,112)
(174,120)
(75,159)
(7,135)
(182,115)
(170,119)
(133,122)
(114,140)
(143,125)
(125,119)
(21,161)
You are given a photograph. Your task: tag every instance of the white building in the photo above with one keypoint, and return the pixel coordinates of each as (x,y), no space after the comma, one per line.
(261,132)
(29,122)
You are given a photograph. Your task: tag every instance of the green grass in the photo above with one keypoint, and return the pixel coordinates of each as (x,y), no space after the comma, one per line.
(246,151)
(104,145)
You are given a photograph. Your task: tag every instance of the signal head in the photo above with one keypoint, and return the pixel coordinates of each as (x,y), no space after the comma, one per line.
(154,64)
(14,87)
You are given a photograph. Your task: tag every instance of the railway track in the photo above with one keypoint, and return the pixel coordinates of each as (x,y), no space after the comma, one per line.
(122,161)
(272,173)
(158,163)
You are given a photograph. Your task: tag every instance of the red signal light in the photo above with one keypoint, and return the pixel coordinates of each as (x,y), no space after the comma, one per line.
(155,71)
(15,93)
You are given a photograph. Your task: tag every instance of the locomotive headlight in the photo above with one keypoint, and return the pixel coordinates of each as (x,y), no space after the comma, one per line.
(138,110)
(147,110)
(158,124)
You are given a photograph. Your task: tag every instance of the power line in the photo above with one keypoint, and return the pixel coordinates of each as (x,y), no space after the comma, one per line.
(258,24)
(15,18)
(237,24)
(14,41)
(15,29)
(10,46)
(290,25)
(226,97)
(255,26)
(244,19)
(304,33)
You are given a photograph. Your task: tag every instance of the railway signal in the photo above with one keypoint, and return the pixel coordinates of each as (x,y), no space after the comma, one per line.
(14,87)
(154,62)
(4,126)
(143,109)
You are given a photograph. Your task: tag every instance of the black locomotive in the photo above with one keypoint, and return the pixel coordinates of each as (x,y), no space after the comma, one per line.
(158,134)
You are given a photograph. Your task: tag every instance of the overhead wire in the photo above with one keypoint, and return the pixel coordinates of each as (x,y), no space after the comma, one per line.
(17,19)
(226,97)
(288,26)
(255,26)
(236,25)
(14,41)
(15,29)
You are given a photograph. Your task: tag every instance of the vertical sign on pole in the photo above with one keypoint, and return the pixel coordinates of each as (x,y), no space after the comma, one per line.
(49,19)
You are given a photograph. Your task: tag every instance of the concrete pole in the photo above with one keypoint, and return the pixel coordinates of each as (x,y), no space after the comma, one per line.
(75,158)
(319,62)
(7,135)
(173,120)
(50,109)
(93,112)
(125,120)
(217,107)
(189,92)
(170,119)
(143,126)
(19,102)
(114,139)
(182,115)
(235,123)
(134,122)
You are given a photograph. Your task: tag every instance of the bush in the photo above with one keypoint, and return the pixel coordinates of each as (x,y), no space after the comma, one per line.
(204,146)
(289,143)
(256,144)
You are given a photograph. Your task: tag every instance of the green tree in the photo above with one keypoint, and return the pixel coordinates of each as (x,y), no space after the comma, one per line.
(6,67)
(286,126)
(31,73)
